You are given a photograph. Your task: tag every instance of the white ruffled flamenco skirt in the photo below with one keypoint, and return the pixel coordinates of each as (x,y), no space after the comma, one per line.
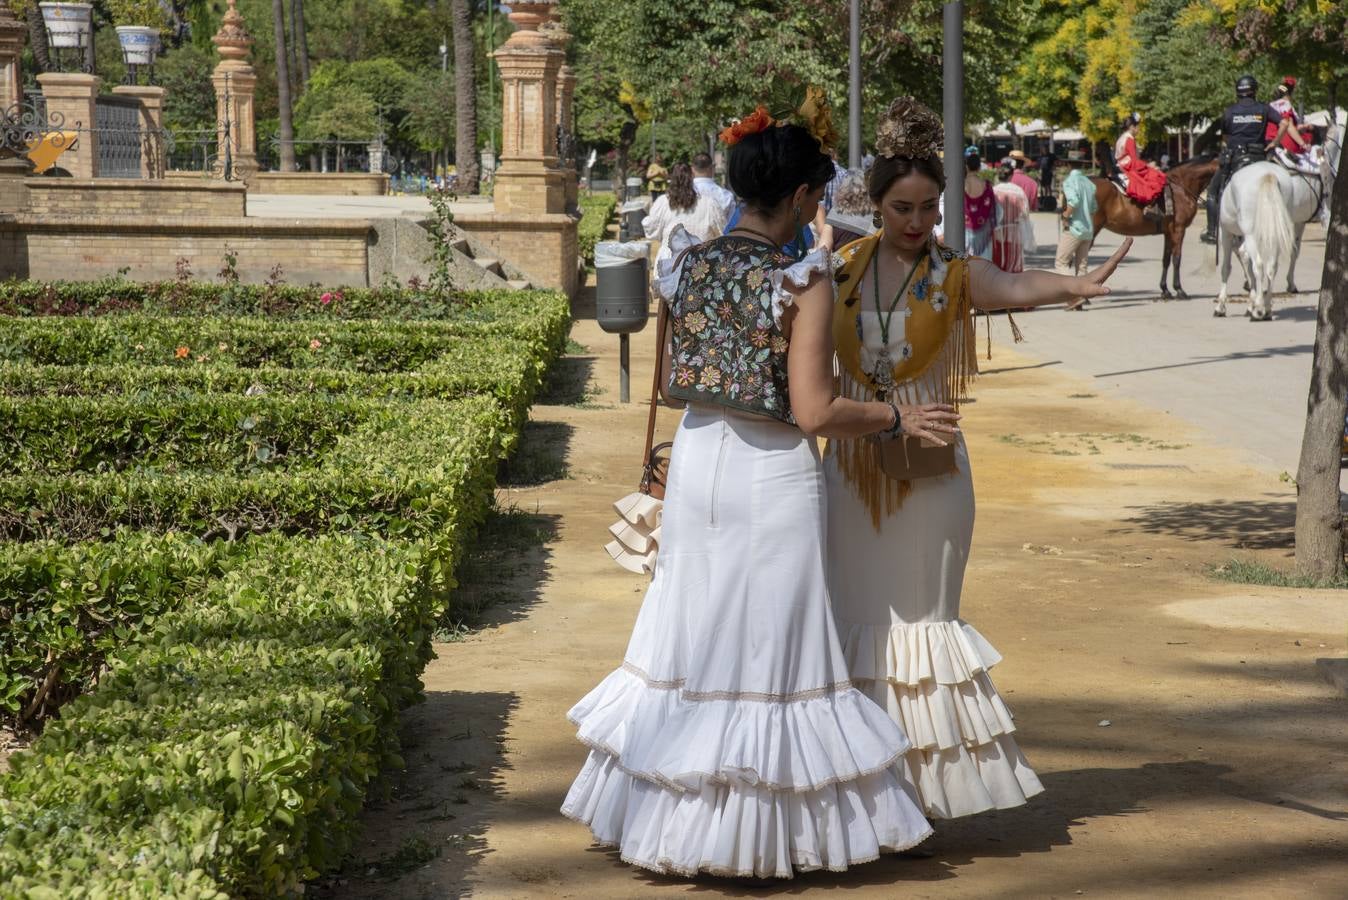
(896,595)
(731,741)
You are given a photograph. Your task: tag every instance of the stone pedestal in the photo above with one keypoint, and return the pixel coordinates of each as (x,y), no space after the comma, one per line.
(566,126)
(529,180)
(12,33)
(13,190)
(235,83)
(71,96)
(152,150)
(376,152)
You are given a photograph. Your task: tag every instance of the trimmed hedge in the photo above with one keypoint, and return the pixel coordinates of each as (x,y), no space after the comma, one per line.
(596,210)
(116,296)
(396,474)
(228,753)
(247,690)
(223,433)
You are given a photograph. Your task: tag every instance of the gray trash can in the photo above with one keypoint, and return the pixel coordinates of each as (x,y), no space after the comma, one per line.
(621,278)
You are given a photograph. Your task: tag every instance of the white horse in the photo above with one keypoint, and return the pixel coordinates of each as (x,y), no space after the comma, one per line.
(1266,208)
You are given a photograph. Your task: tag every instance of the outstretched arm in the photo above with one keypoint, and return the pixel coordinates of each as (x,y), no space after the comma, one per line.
(994,289)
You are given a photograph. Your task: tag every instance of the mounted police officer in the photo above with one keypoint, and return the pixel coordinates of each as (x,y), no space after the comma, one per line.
(1242,124)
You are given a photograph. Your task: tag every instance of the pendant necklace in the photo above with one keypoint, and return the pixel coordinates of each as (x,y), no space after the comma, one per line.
(756,233)
(883,375)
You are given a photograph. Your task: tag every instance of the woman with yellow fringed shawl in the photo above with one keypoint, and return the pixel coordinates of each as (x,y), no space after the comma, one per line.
(903,329)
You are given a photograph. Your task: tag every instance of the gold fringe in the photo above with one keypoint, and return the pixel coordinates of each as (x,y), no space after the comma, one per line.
(1015,329)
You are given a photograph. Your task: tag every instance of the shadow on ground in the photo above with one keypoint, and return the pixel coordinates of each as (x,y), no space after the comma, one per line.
(1238,524)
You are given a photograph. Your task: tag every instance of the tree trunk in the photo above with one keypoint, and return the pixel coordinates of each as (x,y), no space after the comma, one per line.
(301,40)
(1319,533)
(465,97)
(287,126)
(292,53)
(37,39)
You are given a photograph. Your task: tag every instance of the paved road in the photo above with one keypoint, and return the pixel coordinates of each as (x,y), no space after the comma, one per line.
(1242,382)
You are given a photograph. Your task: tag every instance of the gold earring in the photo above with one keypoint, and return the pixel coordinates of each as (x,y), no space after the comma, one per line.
(877,221)
(796,213)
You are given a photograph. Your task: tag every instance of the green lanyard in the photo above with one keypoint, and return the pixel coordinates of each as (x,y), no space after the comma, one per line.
(886,318)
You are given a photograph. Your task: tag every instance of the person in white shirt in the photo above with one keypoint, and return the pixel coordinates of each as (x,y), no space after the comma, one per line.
(681,204)
(704,182)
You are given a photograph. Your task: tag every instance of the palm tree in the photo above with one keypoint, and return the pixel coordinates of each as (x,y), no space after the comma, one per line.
(37,38)
(287,126)
(465,96)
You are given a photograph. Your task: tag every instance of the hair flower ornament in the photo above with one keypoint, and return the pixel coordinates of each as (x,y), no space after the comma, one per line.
(817,117)
(909,129)
(759,120)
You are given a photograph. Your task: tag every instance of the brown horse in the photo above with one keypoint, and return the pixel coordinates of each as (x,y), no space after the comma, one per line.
(1113,210)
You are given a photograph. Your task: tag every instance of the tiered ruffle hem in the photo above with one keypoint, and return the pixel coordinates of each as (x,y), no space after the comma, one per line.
(932,678)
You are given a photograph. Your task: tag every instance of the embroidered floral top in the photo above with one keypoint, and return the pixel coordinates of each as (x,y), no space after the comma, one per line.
(726,297)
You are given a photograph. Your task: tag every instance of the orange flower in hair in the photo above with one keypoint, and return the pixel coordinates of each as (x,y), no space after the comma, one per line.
(759,120)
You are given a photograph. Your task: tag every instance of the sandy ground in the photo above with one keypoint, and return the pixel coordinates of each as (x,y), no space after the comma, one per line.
(1184,738)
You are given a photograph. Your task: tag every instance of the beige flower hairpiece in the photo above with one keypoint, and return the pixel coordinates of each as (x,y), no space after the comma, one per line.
(909,129)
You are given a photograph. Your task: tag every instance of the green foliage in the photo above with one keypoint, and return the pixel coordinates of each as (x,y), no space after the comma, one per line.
(429,101)
(596,210)
(189,99)
(440,226)
(149,13)
(238,564)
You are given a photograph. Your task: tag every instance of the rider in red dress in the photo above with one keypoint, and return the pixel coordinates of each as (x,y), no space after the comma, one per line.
(1145,182)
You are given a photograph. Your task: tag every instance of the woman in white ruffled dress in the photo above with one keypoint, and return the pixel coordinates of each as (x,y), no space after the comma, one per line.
(897,550)
(731,740)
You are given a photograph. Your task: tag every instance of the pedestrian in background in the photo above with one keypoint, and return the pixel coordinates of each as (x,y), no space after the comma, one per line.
(1078,224)
(704,182)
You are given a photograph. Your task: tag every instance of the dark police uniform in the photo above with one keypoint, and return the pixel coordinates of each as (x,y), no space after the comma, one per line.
(1243,124)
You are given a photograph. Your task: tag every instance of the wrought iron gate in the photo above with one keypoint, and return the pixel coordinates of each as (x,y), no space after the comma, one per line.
(120,136)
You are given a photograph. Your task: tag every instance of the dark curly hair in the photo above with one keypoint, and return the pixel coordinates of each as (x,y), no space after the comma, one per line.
(767,167)
(679,188)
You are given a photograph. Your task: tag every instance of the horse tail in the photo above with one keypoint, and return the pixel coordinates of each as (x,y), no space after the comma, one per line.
(1272,233)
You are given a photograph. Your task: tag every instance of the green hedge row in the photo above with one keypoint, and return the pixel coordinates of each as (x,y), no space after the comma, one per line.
(222,433)
(420,472)
(396,474)
(248,342)
(596,210)
(115,295)
(227,753)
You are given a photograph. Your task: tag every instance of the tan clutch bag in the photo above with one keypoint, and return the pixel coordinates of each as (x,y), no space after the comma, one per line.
(911,458)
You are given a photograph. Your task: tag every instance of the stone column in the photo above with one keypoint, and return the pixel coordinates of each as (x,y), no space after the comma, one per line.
(12,33)
(235,82)
(71,96)
(152,150)
(528,180)
(566,126)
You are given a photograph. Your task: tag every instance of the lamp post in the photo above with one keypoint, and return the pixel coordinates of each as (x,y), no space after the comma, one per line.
(854,88)
(953,112)
(227,168)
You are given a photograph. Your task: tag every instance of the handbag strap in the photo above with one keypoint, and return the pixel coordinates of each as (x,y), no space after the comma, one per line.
(661,324)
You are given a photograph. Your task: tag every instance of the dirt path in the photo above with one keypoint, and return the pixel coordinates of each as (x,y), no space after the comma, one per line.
(1221,771)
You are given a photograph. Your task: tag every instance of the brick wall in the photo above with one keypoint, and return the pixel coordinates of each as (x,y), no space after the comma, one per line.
(328,252)
(543,246)
(133,197)
(346,184)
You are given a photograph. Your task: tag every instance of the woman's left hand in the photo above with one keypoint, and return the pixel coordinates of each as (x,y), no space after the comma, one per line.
(1093,285)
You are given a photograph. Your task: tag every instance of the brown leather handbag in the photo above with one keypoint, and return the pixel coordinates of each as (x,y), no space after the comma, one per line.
(910,458)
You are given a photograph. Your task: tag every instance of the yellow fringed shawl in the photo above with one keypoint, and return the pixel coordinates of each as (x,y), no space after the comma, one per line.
(941,366)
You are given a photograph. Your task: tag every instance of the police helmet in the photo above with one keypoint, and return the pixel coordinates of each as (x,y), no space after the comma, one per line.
(1246,86)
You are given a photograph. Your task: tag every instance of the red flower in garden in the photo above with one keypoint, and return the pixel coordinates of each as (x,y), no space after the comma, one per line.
(326,298)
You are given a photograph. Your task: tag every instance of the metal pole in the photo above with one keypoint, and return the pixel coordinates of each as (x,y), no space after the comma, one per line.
(854,89)
(624,369)
(953,110)
(491,83)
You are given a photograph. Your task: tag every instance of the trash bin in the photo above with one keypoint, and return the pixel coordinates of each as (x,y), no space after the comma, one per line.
(621,276)
(630,216)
